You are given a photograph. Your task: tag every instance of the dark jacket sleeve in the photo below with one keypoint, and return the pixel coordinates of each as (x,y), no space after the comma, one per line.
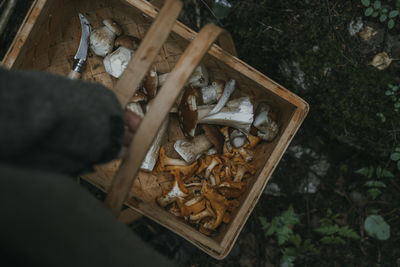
(53,123)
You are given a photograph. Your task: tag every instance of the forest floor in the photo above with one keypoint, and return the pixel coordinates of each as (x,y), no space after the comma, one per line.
(317,176)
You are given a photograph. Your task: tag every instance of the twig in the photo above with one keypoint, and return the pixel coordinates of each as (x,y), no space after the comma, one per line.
(6,15)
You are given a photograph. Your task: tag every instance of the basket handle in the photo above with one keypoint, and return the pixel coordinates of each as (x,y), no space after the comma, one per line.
(152,121)
(147,52)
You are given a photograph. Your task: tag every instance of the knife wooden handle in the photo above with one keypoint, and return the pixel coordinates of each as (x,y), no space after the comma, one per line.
(74,75)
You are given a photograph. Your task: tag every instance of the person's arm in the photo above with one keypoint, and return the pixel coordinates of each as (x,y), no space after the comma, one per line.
(53,123)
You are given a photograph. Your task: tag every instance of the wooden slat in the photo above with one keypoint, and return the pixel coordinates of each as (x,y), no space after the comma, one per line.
(147,51)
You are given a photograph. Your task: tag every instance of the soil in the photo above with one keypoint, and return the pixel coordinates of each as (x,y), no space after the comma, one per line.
(331,161)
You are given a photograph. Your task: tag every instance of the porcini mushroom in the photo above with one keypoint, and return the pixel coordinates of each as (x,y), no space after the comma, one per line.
(215,137)
(134,104)
(150,159)
(264,122)
(187,111)
(116,62)
(199,77)
(167,161)
(102,39)
(237,113)
(212,93)
(237,138)
(190,150)
(150,83)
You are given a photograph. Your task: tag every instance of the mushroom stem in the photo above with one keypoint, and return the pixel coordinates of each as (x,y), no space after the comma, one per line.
(214,162)
(241,170)
(238,114)
(263,121)
(152,154)
(228,90)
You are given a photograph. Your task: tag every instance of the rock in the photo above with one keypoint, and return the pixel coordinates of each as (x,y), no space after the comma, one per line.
(320,167)
(272,189)
(355,26)
(309,185)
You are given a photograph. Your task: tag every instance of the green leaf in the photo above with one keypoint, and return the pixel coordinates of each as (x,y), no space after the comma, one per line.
(382,18)
(395,156)
(384,10)
(363,171)
(397,149)
(388,92)
(264,223)
(369,11)
(393,14)
(365,2)
(328,230)
(386,174)
(283,235)
(374,184)
(397,105)
(374,193)
(345,231)
(377,4)
(289,216)
(295,240)
(376,227)
(375,14)
(390,23)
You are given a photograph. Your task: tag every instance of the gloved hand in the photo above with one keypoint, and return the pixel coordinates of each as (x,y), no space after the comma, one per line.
(52,123)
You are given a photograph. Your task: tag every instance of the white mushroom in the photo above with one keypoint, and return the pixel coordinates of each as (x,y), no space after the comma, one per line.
(102,39)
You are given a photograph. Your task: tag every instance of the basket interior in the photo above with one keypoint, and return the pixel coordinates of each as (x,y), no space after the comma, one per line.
(52,45)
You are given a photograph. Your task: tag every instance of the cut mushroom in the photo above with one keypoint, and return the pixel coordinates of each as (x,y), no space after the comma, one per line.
(228,90)
(166,161)
(215,137)
(199,77)
(191,150)
(237,138)
(212,93)
(150,159)
(263,121)
(102,39)
(237,113)
(116,62)
(127,41)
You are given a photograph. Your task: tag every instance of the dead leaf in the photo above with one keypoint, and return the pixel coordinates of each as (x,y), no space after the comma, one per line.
(381,61)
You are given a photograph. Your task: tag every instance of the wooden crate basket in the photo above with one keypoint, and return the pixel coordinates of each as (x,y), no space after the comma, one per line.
(48,40)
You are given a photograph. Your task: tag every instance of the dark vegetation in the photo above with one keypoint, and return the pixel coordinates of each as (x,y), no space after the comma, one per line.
(348,142)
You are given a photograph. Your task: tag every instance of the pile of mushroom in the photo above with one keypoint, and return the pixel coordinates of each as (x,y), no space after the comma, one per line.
(207,143)
(209,156)
(102,44)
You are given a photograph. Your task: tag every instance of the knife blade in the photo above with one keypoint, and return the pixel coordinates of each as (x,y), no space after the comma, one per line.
(81,55)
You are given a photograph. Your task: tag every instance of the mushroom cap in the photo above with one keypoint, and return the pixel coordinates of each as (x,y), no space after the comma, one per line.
(215,136)
(127,41)
(150,83)
(113,26)
(188,115)
(138,97)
